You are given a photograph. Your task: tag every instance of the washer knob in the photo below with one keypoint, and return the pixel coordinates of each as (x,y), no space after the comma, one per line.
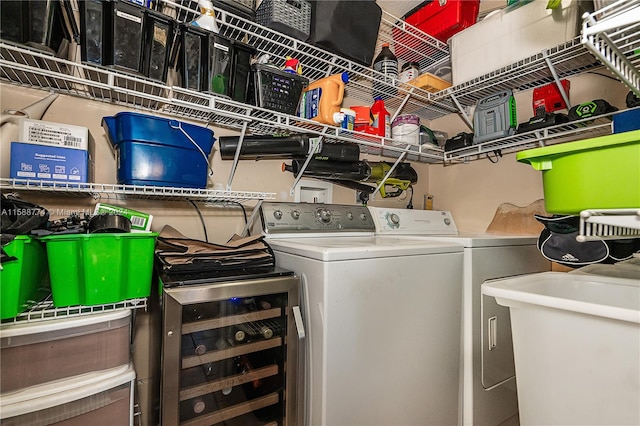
(295,214)
(350,216)
(277,214)
(363,216)
(447,221)
(324,215)
(394,220)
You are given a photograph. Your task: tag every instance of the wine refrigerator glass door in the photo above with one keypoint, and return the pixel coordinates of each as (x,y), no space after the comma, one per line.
(230,353)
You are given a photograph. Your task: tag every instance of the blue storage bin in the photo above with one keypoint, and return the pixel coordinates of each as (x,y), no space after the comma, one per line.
(158,151)
(626,121)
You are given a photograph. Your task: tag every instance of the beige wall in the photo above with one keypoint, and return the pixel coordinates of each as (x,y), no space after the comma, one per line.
(471,191)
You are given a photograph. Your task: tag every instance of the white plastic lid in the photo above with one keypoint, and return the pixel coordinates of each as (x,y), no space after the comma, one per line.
(58,392)
(338,117)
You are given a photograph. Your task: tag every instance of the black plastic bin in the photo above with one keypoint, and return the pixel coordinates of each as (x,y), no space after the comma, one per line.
(348,28)
(158,38)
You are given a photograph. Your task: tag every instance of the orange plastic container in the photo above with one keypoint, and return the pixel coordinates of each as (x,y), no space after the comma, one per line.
(322,99)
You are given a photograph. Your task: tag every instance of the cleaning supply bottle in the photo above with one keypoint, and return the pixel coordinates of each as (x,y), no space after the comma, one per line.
(207,20)
(386,63)
(381,118)
(322,99)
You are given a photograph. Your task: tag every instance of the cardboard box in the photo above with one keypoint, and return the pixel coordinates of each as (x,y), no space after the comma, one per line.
(38,132)
(49,163)
(511,34)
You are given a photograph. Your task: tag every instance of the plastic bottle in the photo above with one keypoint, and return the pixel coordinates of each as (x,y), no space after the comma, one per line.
(386,63)
(207,20)
(322,99)
(381,118)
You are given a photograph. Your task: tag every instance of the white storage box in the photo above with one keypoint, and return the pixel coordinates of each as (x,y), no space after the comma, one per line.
(51,135)
(576,341)
(35,353)
(506,36)
(97,399)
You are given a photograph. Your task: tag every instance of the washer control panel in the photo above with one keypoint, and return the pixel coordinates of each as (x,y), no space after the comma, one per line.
(279,218)
(413,222)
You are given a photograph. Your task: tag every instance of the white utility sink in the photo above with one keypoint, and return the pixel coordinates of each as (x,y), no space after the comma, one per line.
(576,339)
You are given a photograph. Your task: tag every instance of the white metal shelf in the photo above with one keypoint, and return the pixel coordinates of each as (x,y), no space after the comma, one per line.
(612,34)
(609,224)
(45,310)
(25,67)
(102,190)
(567,132)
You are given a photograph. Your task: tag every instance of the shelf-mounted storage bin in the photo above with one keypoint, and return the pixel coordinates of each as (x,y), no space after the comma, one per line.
(156,46)
(25,278)
(97,269)
(62,348)
(291,17)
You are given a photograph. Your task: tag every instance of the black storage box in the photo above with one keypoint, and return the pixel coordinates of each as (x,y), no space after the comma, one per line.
(218,73)
(241,71)
(123,33)
(291,17)
(92,31)
(111,34)
(346,28)
(277,90)
(243,8)
(156,46)
(193,58)
(36,23)
(214,64)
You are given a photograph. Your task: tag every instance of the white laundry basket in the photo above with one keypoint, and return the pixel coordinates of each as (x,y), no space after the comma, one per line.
(576,341)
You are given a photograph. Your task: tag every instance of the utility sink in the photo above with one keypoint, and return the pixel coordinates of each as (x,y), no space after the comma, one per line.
(587,293)
(576,341)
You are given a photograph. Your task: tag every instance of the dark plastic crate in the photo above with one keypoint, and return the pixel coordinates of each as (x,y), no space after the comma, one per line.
(156,46)
(291,17)
(275,89)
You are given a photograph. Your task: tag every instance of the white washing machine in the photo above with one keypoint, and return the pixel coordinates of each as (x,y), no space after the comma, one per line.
(383,316)
(488,388)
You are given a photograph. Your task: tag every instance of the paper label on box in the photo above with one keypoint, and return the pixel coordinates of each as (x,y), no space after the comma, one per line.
(140,222)
(54,134)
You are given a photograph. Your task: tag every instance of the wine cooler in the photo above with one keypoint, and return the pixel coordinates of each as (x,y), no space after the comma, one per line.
(232,352)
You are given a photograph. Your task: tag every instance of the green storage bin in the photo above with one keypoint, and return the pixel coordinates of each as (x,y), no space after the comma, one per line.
(98,269)
(24,281)
(598,173)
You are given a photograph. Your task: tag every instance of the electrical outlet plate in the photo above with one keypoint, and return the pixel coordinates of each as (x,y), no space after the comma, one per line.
(313,191)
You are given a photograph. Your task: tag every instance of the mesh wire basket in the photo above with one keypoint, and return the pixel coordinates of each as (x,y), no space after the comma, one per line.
(291,17)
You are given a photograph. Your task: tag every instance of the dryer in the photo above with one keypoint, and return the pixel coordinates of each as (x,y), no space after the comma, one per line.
(382,313)
(488,387)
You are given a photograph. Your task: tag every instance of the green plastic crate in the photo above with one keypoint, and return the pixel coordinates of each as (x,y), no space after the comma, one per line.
(597,173)
(98,269)
(23,281)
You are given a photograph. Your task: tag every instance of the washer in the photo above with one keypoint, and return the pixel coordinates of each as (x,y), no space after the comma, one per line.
(382,313)
(489,395)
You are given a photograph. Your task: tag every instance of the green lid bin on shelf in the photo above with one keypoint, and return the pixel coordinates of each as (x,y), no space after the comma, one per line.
(99,269)
(597,173)
(23,281)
